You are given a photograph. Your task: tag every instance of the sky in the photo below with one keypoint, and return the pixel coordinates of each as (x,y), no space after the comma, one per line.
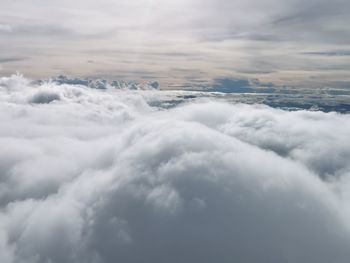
(179,43)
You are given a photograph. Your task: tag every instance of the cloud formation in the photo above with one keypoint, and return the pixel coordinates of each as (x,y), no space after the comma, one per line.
(269,39)
(100,176)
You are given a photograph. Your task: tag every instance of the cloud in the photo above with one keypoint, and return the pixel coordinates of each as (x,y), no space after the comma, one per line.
(11,59)
(51,30)
(4,28)
(100,176)
(216,38)
(336,53)
(232,85)
(44,97)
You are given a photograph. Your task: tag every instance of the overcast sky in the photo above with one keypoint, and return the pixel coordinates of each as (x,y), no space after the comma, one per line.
(290,42)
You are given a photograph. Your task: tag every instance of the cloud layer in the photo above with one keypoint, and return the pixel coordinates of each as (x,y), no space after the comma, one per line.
(177,41)
(100,176)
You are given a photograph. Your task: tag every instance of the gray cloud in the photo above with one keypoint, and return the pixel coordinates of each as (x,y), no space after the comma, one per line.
(100,176)
(336,53)
(42,30)
(217,38)
(11,59)
(234,85)
(4,28)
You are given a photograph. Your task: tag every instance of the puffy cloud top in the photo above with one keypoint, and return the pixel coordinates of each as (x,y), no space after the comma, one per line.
(91,175)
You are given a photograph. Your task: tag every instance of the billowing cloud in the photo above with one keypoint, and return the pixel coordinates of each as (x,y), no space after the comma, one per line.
(100,176)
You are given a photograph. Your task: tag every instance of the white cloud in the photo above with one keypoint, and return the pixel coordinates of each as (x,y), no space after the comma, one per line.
(99,176)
